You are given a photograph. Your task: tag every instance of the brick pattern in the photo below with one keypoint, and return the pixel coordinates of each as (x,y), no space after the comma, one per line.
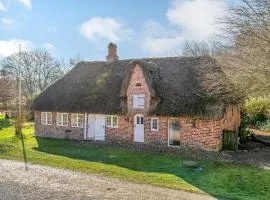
(55,131)
(122,134)
(138,78)
(203,134)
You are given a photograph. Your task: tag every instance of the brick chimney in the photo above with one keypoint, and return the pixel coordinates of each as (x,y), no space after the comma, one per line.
(112,52)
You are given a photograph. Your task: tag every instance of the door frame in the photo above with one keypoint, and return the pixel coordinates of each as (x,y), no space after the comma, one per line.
(134,126)
(169,132)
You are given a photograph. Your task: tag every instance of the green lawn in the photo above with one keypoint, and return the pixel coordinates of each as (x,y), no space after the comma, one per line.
(217,179)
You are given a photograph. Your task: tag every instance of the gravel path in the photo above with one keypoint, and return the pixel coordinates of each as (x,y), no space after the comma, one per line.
(41,182)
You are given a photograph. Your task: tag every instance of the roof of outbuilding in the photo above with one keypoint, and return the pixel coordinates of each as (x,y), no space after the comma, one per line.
(184,86)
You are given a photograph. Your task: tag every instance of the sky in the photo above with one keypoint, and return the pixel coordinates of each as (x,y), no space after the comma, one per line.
(140,28)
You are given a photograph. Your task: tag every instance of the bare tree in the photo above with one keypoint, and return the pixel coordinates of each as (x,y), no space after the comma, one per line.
(38,70)
(202,48)
(69,64)
(7,94)
(246,34)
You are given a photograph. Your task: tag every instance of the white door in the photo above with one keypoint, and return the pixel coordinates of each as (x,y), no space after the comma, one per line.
(96,127)
(91,127)
(100,127)
(138,128)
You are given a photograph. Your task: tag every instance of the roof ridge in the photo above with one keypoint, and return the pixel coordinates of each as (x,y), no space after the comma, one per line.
(146,58)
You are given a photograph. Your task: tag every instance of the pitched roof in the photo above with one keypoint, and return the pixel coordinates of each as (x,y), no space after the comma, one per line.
(184,86)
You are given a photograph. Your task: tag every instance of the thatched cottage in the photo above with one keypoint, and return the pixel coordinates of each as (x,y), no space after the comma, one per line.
(162,102)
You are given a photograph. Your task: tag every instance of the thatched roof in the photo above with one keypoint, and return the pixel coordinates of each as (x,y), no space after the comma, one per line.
(183,86)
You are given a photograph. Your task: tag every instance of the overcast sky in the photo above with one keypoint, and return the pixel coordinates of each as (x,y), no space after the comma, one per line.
(140,28)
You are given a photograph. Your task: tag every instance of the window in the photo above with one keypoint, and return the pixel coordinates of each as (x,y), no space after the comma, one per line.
(62,119)
(138,101)
(154,124)
(140,120)
(112,121)
(46,118)
(77,120)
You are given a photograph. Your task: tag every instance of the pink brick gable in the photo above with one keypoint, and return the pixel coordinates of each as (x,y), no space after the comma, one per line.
(138,85)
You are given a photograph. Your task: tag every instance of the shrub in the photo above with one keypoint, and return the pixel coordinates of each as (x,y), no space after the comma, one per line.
(244,132)
(264,125)
(256,109)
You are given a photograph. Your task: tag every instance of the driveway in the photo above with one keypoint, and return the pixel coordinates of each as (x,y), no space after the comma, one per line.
(41,182)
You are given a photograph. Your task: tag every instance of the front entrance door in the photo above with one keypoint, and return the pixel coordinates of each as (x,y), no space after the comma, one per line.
(138,128)
(96,127)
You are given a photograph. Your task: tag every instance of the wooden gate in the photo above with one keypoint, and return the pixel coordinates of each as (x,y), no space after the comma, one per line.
(230,140)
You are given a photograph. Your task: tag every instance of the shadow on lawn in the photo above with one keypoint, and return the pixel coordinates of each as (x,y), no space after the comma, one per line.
(137,161)
(5,123)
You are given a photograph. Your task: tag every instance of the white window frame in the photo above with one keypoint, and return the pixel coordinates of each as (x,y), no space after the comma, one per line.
(60,123)
(152,119)
(46,118)
(77,120)
(135,97)
(111,121)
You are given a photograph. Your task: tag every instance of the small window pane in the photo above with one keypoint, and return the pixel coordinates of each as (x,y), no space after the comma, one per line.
(74,120)
(108,121)
(115,121)
(49,118)
(43,118)
(80,121)
(141,120)
(58,119)
(138,120)
(154,124)
(64,119)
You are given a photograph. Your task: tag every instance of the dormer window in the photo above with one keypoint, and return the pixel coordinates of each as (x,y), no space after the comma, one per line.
(138,101)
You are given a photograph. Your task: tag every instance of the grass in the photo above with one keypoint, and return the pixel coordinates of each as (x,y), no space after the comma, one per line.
(221,180)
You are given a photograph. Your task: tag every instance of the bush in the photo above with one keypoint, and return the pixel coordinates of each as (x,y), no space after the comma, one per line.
(265,126)
(243,132)
(256,110)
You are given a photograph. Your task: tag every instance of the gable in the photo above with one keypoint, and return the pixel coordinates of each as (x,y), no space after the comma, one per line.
(138,86)
(137,83)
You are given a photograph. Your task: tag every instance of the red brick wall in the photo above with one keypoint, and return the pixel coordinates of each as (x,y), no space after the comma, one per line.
(204,134)
(124,132)
(138,77)
(55,131)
